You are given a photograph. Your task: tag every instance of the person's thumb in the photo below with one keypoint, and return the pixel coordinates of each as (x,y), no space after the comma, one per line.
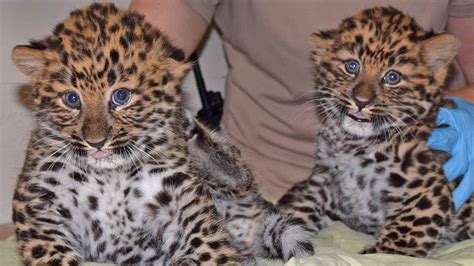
(465,189)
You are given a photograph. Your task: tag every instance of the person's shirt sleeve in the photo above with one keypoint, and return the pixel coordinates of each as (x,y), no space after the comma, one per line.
(460,8)
(205,8)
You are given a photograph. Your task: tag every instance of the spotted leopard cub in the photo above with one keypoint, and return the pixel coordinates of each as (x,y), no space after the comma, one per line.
(252,221)
(107,175)
(378,87)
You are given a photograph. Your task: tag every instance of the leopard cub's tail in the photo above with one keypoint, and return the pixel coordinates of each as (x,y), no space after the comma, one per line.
(282,236)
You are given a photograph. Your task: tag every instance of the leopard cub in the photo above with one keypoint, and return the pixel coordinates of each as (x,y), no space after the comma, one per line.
(107,175)
(378,87)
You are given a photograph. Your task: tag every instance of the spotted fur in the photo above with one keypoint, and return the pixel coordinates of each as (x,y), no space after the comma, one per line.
(373,168)
(250,219)
(142,201)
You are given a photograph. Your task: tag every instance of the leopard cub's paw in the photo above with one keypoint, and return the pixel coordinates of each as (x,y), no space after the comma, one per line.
(369,250)
(377,248)
(185,262)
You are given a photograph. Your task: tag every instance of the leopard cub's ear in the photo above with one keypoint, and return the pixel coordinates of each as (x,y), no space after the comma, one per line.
(323,40)
(322,43)
(439,51)
(30,61)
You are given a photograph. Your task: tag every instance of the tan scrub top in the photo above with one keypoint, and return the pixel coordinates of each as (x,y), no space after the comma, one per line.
(268,109)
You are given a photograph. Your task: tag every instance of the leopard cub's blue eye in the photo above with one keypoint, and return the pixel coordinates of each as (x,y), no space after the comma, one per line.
(72,100)
(392,77)
(120,97)
(352,67)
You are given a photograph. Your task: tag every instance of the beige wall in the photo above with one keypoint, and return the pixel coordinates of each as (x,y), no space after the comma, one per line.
(22,20)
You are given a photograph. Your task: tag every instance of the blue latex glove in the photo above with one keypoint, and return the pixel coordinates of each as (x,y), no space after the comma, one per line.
(457,140)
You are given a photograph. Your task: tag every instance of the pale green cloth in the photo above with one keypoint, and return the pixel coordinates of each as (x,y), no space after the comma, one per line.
(335,246)
(339,245)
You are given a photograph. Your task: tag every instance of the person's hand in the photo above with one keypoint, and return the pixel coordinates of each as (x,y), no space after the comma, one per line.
(457,140)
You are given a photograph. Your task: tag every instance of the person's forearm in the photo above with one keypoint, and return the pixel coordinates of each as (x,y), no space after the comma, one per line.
(467,93)
(463,30)
(178,21)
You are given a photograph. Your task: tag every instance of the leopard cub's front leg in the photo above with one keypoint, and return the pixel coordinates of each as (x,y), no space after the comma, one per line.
(42,237)
(420,221)
(307,206)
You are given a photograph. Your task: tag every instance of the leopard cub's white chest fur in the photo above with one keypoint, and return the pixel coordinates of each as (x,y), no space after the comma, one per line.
(357,183)
(109,208)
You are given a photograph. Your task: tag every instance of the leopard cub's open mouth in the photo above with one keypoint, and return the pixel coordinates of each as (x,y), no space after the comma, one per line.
(359,117)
